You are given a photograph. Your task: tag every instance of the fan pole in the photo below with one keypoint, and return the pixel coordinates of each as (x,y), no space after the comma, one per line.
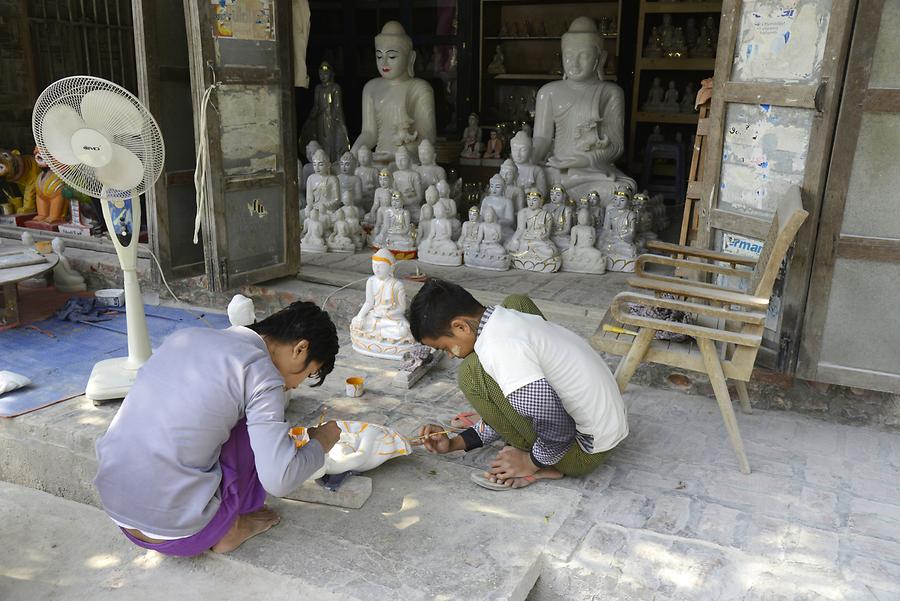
(135,320)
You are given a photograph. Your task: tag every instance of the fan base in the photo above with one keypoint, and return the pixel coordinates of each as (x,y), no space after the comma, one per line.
(110,379)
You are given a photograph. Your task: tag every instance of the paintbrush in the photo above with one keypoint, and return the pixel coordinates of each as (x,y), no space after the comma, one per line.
(322,417)
(424,436)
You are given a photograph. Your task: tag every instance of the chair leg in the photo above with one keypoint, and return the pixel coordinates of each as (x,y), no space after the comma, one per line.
(743,396)
(629,363)
(720,386)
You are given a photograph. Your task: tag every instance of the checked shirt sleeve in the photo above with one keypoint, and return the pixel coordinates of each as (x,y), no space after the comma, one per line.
(479,435)
(555,429)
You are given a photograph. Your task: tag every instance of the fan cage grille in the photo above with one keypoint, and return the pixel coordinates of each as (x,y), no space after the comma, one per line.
(147,145)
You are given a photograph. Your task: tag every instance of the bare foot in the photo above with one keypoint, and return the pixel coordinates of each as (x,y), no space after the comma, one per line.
(548,473)
(466,419)
(245,527)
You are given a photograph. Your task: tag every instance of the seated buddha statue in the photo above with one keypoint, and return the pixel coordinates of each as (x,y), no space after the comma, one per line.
(381,329)
(579,121)
(397,107)
(530,247)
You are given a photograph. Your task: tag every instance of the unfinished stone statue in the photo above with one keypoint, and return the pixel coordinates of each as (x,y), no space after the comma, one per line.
(313,240)
(322,188)
(408,182)
(65,277)
(471,139)
(426,216)
(617,237)
(439,248)
(397,230)
(349,180)
(581,256)
(351,214)
(340,240)
(511,189)
(445,198)
(429,171)
(489,254)
(579,124)
(531,248)
(529,175)
(368,176)
(501,204)
(311,147)
(325,122)
(380,329)
(361,447)
(397,108)
(561,212)
(382,197)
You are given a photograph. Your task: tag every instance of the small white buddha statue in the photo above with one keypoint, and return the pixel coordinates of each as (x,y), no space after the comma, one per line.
(530,247)
(322,188)
(581,118)
(380,329)
(597,206)
(666,33)
(368,176)
(497,65)
(617,237)
(679,47)
(670,100)
(382,197)
(489,254)
(350,213)
(429,171)
(349,180)
(494,148)
(581,256)
(445,198)
(687,99)
(561,212)
(655,97)
(468,238)
(325,122)
(313,239)
(408,182)
(426,216)
(397,107)
(311,147)
(653,47)
(340,239)
(643,221)
(502,205)
(511,189)
(65,277)
(396,227)
(529,175)
(439,248)
(471,139)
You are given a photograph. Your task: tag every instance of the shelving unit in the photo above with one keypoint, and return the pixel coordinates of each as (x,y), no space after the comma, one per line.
(681,70)
(532,60)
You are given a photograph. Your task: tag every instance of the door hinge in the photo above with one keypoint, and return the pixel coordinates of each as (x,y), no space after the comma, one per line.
(819,99)
(785,347)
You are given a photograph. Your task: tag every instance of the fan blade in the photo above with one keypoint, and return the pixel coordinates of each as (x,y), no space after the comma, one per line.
(110,112)
(123,172)
(57,127)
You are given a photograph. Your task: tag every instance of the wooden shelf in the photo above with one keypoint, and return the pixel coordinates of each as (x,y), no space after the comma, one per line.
(677,64)
(528,38)
(682,7)
(543,77)
(651,117)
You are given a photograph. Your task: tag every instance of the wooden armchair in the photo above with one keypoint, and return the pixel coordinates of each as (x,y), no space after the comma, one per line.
(727,323)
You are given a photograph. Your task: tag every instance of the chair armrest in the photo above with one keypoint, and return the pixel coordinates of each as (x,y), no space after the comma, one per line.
(685,264)
(690,251)
(622,314)
(648,300)
(718,295)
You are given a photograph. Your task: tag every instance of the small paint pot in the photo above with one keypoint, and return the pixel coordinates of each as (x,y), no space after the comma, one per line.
(355,386)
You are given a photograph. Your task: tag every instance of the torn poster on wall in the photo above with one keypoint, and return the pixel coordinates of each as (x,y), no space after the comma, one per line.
(243,19)
(764,153)
(742,246)
(781,41)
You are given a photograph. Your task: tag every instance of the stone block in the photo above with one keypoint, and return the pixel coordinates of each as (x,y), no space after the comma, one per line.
(780,540)
(670,514)
(720,525)
(353,493)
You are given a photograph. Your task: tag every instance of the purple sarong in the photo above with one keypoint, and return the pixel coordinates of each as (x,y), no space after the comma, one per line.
(240,492)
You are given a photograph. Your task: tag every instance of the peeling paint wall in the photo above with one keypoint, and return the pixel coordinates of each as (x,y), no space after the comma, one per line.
(251,130)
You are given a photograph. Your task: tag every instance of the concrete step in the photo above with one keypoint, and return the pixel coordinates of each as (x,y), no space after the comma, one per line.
(426,532)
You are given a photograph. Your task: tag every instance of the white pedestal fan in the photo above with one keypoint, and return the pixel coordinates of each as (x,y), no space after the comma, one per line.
(100,140)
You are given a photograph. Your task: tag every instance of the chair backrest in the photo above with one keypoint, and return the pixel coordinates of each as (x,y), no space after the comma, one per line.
(788,218)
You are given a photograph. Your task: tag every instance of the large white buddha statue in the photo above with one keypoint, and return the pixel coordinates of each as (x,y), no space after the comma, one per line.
(380,329)
(579,121)
(397,108)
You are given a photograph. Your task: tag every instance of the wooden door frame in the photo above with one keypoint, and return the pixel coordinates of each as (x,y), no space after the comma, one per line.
(831,243)
(203,74)
(824,100)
